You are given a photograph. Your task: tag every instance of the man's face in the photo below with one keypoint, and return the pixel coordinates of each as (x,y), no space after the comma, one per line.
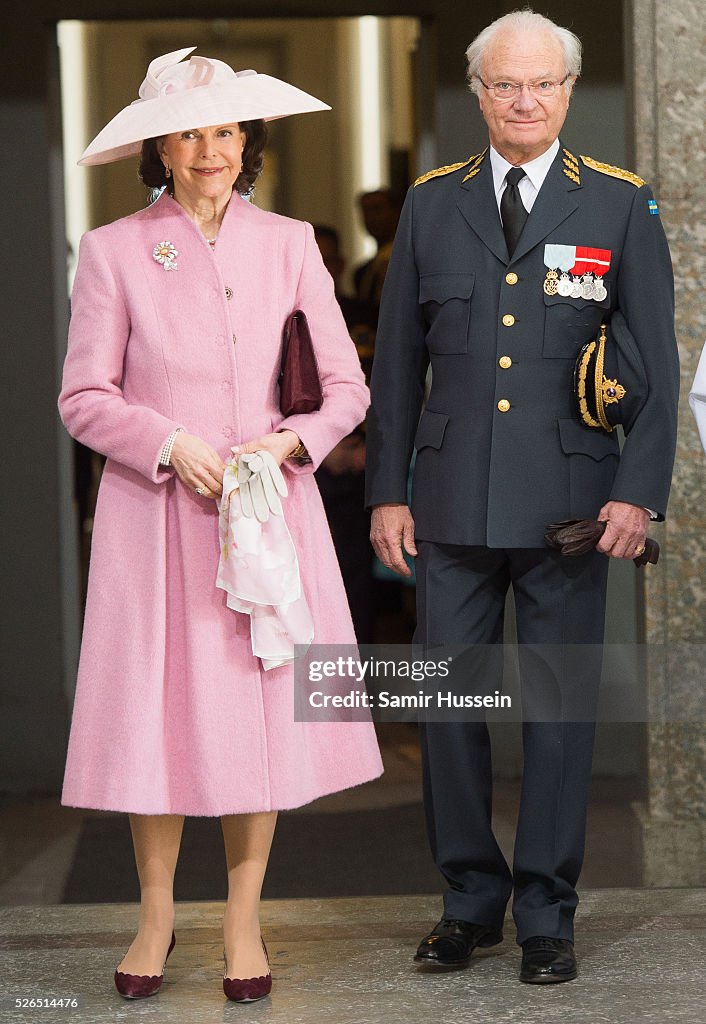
(524,127)
(380,216)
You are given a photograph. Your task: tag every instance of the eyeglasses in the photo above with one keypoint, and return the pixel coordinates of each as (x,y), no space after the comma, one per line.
(511,90)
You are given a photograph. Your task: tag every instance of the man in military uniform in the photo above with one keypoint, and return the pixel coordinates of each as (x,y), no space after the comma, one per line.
(503,267)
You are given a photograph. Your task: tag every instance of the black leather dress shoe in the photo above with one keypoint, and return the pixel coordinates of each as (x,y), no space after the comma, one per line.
(451,943)
(546,961)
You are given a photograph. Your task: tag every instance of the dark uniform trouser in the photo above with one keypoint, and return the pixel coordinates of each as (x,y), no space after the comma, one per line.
(559,601)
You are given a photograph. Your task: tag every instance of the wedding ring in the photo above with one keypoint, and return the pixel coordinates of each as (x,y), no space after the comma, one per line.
(199,490)
(640,550)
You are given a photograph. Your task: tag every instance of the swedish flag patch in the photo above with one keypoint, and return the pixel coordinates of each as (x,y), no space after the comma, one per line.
(652,207)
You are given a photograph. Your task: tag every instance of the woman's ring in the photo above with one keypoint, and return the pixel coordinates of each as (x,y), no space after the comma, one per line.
(199,490)
(640,550)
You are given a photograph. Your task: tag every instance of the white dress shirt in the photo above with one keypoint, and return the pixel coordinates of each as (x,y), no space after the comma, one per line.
(535,173)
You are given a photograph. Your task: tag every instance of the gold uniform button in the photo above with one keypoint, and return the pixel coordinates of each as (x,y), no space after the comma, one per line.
(505,362)
(508,320)
(504,405)
(511,278)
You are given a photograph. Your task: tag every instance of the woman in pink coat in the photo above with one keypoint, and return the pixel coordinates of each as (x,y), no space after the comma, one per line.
(172,363)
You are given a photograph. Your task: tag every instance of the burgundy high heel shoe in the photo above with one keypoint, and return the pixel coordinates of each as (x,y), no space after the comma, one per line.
(247,990)
(139,986)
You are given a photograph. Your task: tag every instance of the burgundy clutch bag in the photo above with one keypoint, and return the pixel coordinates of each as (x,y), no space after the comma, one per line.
(299,383)
(579,536)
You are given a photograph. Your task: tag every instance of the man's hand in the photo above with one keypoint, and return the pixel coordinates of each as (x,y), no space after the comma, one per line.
(391,529)
(626,531)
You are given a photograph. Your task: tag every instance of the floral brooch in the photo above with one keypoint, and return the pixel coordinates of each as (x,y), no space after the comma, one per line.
(166,254)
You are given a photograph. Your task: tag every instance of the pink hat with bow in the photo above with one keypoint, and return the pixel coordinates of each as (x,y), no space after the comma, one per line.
(178,94)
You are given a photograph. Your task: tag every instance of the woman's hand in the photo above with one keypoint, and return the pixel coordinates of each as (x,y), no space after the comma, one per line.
(280,445)
(198,465)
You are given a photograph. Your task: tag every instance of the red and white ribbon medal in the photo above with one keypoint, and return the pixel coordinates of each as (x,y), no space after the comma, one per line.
(589,268)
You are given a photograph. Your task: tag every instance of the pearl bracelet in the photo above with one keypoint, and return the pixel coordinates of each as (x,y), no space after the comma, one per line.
(165,456)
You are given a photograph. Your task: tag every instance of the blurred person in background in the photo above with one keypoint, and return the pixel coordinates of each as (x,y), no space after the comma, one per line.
(380,211)
(341,475)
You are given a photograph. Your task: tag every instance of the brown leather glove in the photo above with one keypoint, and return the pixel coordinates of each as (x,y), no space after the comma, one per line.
(579,536)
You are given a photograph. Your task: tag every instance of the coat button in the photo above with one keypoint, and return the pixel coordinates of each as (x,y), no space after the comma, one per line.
(229,292)
(227,432)
(508,320)
(505,362)
(225,385)
(504,405)
(511,278)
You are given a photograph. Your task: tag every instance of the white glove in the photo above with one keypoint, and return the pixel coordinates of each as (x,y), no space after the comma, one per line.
(260,483)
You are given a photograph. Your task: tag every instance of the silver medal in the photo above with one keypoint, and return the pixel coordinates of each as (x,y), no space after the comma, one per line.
(599,291)
(587,291)
(564,285)
(575,292)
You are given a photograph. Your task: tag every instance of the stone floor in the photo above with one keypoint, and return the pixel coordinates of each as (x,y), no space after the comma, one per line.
(348,961)
(642,956)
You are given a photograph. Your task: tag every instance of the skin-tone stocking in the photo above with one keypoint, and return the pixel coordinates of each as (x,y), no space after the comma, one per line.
(247,838)
(156,840)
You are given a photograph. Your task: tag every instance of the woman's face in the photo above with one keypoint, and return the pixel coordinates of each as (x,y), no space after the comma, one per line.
(204,162)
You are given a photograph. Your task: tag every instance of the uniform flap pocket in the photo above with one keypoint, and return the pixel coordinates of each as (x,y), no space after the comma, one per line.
(431,429)
(575,438)
(440,287)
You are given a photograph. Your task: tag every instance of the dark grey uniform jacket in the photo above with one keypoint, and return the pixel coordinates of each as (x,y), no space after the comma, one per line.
(452,297)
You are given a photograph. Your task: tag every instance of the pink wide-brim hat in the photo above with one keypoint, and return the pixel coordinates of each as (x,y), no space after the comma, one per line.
(178,94)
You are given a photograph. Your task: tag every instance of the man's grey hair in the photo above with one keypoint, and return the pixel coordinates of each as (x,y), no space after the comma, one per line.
(522,21)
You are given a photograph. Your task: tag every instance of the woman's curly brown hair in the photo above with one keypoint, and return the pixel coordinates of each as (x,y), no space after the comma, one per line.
(152,171)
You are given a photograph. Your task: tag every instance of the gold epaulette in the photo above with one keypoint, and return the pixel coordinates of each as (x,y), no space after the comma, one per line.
(571,166)
(445,170)
(475,163)
(614,172)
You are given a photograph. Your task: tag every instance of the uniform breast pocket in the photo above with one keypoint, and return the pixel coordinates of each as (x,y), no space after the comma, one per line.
(446,301)
(569,323)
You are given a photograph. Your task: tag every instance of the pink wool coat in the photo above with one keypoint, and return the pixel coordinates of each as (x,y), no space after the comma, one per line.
(173,714)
